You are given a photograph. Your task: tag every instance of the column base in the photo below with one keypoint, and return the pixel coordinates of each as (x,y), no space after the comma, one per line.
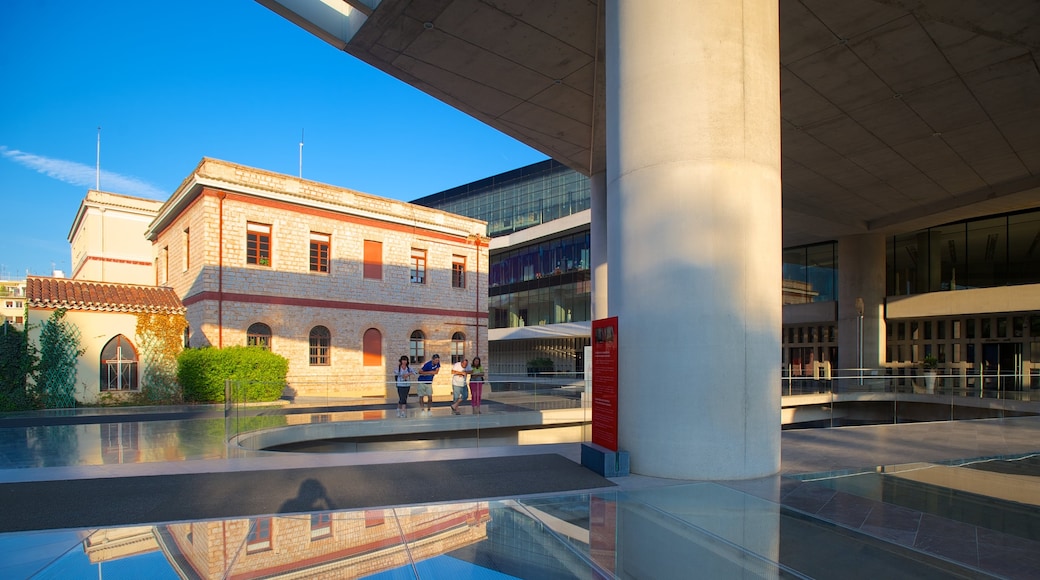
(604,461)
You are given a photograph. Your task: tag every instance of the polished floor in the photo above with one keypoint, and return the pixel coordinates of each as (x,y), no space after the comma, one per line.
(944,499)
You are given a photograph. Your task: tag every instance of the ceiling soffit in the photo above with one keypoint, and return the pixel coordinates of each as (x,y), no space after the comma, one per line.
(901,113)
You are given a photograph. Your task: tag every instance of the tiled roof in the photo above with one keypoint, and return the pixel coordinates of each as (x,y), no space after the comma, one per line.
(43,292)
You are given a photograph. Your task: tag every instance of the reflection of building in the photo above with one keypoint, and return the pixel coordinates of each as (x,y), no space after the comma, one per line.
(798,292)
(337,281)
(322,544)
(115,543)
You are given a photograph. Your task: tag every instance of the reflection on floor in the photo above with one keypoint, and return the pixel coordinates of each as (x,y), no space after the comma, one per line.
(885,501)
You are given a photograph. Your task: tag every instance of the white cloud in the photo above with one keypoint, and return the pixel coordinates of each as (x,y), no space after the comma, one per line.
(83,175)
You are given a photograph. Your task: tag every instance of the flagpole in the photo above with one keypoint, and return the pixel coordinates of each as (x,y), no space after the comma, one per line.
(301,153)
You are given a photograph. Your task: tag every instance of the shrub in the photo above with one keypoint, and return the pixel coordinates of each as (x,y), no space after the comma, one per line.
(260,374)
(17,361)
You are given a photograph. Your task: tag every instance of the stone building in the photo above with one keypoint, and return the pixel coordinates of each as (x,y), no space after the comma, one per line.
(339,282)
(107,238)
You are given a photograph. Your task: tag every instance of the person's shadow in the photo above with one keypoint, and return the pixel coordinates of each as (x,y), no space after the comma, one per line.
(311,497)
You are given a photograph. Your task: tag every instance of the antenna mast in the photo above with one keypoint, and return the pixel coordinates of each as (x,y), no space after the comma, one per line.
(97,170)
(301,153)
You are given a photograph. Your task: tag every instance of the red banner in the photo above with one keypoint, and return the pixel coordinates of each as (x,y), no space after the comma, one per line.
(605,382)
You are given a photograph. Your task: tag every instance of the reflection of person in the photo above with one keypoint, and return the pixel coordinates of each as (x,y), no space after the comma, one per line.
(402,375)
(310,497)
(458,384)
(425,387)
(476,383)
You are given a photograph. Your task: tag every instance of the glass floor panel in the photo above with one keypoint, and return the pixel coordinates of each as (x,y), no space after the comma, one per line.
(702,530)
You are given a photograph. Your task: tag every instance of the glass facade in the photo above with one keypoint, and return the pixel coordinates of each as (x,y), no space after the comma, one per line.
(518,199)
(546,282)
(981,253)
(811,273)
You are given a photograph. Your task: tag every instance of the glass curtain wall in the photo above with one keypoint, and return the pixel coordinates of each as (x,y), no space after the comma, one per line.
(518,199)
(982,253)
(545,283)
(810,273)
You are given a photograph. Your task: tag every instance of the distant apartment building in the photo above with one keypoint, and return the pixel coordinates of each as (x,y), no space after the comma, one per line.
(107,239)
(12,303)
(339,282)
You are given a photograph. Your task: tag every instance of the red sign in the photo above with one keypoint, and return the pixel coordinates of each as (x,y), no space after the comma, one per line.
(605,383)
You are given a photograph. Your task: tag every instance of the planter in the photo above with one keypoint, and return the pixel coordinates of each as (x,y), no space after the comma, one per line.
(929,381)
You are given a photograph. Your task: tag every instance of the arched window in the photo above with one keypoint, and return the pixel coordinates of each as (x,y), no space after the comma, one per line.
(417,348)
(320,340)
(259,334)
(373,348)
(458,347)
(119,365)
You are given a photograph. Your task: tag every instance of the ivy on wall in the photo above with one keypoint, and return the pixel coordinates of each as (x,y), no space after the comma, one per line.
(17,361)
(59,349)
(160,339)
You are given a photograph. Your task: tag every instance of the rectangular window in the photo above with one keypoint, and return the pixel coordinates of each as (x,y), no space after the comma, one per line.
(259,538)
(458,271)
(373,260)
(320,252)
(186,259)
(321,525)
(374,518)
(165,265)
(258,244)
(418,270)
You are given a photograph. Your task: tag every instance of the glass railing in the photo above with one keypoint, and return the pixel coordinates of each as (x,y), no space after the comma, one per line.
(908,380)
(332,415)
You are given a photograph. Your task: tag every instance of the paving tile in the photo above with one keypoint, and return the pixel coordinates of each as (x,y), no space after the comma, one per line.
(949,539)
(893,523)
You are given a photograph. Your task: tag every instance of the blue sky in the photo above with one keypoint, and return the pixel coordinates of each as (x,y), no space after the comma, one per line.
(172,82)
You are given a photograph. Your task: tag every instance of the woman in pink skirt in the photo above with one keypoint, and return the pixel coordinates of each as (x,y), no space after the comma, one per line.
(476,383)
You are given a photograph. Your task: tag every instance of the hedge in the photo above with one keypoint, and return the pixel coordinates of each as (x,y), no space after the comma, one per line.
(203,371)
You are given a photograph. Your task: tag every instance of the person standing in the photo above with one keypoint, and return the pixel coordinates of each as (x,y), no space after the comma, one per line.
(476,384)
(425,387)
(458,384)
(403,375)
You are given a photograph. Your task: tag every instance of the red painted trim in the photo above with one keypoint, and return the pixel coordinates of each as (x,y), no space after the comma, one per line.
(111,260)
(318,303)
(220,276)
(352,219)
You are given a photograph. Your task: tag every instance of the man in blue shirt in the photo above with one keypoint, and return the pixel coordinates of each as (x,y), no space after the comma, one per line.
(425,386)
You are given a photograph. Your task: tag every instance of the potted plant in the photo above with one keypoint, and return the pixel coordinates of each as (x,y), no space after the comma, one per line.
(539,365)
(930,364)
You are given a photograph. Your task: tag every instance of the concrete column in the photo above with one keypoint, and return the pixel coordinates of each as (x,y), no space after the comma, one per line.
(598,244)
(861,275)
(694,251)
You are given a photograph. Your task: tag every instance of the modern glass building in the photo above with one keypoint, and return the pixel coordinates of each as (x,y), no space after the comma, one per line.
(519,199)
(539,273)
(539,277)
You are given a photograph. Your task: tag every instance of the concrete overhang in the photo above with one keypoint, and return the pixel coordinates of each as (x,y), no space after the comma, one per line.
(896,114)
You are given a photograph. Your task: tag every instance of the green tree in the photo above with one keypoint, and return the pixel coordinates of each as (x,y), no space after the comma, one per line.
(59,349)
